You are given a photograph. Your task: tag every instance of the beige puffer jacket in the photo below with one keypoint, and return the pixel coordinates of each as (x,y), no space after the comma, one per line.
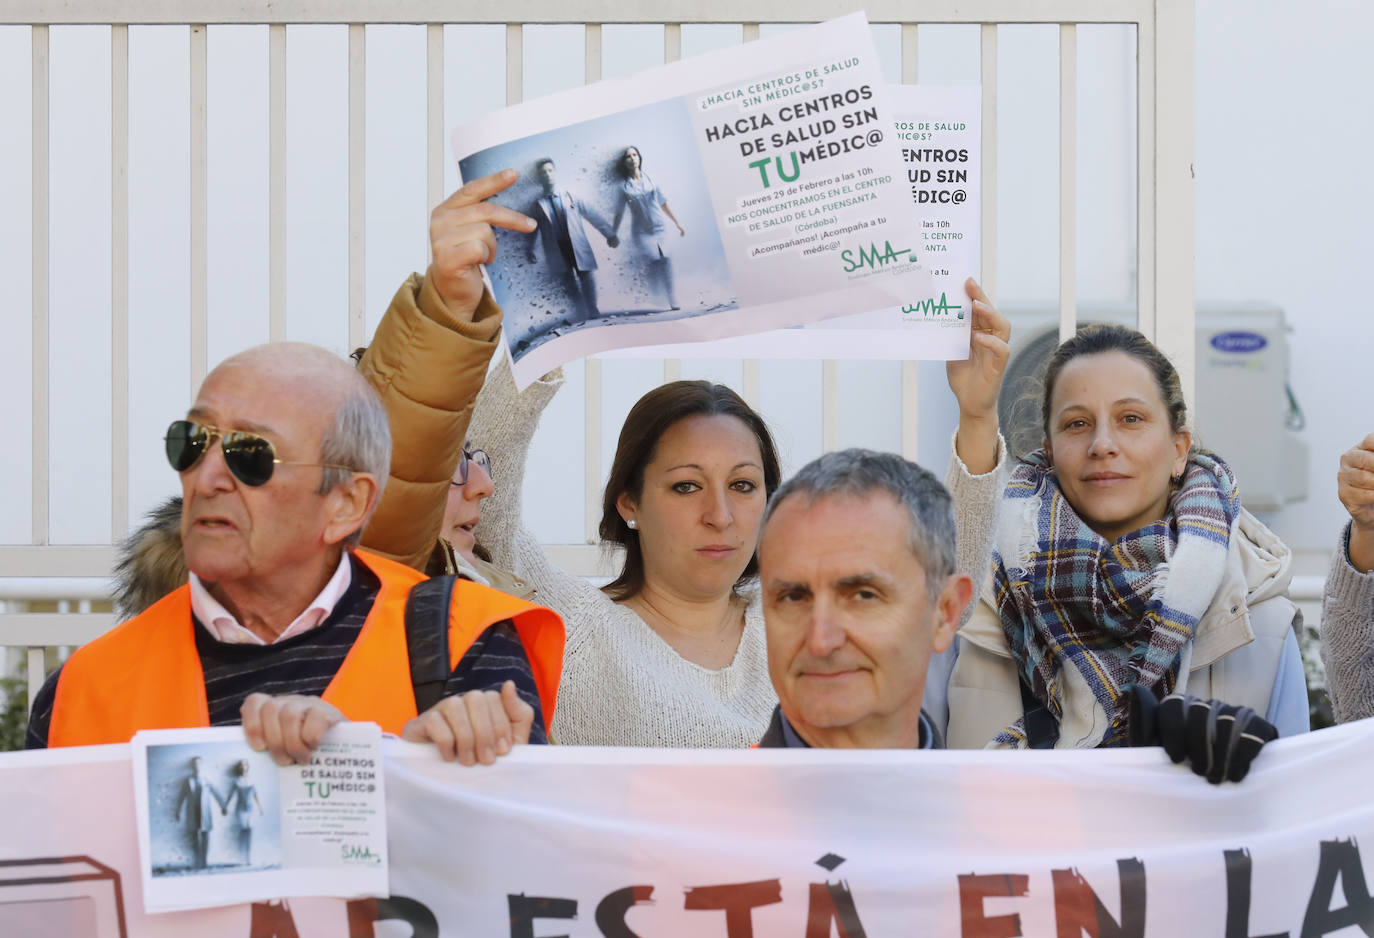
(428,367)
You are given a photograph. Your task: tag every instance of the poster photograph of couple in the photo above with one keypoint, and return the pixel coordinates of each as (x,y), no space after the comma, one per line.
(625,229)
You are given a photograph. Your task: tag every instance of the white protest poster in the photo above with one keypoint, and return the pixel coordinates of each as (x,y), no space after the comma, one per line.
(599,843)
(939,131)
(747,189)
(220,824)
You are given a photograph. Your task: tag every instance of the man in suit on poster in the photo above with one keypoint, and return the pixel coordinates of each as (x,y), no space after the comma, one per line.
(199,799)
(562,240)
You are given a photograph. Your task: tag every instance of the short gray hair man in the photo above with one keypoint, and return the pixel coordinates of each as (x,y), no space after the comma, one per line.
(857,568)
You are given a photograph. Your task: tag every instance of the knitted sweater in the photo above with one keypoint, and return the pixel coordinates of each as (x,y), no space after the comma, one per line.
(1348,636)
(622,684)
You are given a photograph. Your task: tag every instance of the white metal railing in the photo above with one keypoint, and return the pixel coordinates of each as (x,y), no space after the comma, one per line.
(1164,212)
(32,633)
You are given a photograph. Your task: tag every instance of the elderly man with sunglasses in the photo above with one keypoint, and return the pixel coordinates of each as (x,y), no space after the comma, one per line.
(282,625)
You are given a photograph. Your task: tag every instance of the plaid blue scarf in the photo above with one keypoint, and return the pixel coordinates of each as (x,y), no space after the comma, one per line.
(1084,616)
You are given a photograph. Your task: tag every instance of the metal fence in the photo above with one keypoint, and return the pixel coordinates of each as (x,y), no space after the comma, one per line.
(1164,211)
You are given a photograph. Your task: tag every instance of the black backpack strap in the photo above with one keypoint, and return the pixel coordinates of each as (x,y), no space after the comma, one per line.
(1042,731)
(427,614)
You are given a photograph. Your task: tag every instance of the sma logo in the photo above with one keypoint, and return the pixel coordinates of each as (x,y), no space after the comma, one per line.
(871,256)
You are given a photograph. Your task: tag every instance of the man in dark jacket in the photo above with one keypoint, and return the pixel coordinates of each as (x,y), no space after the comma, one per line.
(856,564)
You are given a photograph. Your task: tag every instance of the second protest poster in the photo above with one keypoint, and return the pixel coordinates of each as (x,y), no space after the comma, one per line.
(746,190)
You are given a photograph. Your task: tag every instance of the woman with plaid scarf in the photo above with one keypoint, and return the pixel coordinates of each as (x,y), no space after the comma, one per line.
(1125,569)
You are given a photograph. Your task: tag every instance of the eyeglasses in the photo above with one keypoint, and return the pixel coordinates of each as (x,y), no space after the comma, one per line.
(476,456)
(249,457)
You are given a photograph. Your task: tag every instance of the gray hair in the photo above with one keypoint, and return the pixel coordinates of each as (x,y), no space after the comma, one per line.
(859,472)
(360,438)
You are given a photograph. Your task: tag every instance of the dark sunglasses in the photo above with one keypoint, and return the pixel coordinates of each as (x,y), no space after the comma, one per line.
(249,457)
(475,456)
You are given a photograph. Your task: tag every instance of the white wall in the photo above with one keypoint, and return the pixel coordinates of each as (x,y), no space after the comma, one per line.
(1282,198)
(1284,201)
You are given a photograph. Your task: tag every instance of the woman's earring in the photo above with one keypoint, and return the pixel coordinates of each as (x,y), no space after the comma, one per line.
(1177,480)
(630,523)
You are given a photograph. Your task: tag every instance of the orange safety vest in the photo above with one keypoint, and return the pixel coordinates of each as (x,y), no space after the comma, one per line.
(146,673)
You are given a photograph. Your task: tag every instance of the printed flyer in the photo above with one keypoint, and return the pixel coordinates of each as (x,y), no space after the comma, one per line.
(219,823)
(939,131)
(748,189)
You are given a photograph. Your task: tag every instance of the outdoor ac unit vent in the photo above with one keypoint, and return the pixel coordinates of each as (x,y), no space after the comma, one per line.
(1245,410)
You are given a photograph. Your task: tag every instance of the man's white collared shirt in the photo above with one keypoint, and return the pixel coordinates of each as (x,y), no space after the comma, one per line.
(223,627)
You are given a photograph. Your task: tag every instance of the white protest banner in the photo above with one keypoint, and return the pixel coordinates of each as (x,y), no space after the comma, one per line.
(220,824)
(616,843)
(707,198)
(939,129)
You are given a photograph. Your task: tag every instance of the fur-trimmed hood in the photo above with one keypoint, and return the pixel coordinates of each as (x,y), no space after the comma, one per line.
(150,563)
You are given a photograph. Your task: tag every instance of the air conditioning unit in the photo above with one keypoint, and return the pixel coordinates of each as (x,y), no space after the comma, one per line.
(1244,410)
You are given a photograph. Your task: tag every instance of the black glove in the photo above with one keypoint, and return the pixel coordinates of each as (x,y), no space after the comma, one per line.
(1218,740)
